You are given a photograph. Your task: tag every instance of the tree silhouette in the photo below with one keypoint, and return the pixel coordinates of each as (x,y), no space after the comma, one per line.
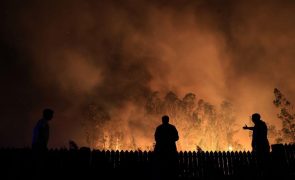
(228,124)
(200,123)
(154,103)
(286,115)
(95,118)
(274,133)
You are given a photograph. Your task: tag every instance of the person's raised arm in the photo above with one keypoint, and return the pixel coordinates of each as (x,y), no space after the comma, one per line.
(249,128)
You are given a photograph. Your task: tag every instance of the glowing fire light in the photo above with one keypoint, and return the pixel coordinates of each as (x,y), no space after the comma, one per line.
(230,148)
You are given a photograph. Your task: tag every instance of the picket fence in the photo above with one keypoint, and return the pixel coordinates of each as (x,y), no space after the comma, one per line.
(19,162)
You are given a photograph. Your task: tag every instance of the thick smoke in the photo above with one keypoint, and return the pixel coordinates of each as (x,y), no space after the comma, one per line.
(73,53)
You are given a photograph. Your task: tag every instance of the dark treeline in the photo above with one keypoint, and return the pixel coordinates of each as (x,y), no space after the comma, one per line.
(200,123)
(196,120)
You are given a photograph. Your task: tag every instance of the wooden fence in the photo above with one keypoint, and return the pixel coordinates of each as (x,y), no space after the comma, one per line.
(19,163)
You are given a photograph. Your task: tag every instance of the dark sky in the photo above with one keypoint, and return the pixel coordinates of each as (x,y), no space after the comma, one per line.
(66,54)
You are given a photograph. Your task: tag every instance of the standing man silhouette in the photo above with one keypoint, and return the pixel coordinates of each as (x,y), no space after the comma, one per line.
(260,144)
(166,136)
(39,144)
(41,131)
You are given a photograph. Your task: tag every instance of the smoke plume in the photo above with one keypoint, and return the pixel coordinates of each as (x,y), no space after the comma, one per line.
(71,54)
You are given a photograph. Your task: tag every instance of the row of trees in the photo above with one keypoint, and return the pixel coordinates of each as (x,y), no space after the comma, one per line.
(201,125)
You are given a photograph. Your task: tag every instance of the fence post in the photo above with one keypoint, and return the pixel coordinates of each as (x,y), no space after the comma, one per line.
(278,159)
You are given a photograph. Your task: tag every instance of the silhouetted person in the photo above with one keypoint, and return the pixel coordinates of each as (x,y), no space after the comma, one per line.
(260,144)
(39,144)
(166,136)
(41,131)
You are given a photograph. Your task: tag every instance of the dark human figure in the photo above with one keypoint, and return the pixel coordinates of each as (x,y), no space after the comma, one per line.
(260,144)
(39,145)
(41,131)
(166,136)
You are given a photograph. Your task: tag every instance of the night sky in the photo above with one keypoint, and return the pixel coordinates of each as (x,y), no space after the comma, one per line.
(66,54)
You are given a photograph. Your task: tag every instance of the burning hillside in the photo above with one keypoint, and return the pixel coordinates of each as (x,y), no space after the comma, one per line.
(200,124)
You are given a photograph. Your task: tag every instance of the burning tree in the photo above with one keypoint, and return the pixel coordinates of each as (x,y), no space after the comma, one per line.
(286,115)
(154,103)
(93,123)
(200,124)
(102,131)
(171,105)
(207,133)
(228,120)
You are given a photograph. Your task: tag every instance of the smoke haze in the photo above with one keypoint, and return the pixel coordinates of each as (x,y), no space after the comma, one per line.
(71,53)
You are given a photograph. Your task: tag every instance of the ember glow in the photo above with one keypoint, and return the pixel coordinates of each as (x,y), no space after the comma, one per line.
(200,124)
(111,69)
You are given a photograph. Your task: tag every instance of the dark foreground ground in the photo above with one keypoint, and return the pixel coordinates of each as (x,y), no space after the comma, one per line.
(86,164)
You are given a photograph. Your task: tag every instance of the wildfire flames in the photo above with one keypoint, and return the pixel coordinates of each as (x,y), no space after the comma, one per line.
(200,124)
(111,70)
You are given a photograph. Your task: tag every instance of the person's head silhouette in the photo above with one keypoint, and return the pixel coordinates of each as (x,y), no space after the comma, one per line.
(48,114)
(165,119)
(255,118)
